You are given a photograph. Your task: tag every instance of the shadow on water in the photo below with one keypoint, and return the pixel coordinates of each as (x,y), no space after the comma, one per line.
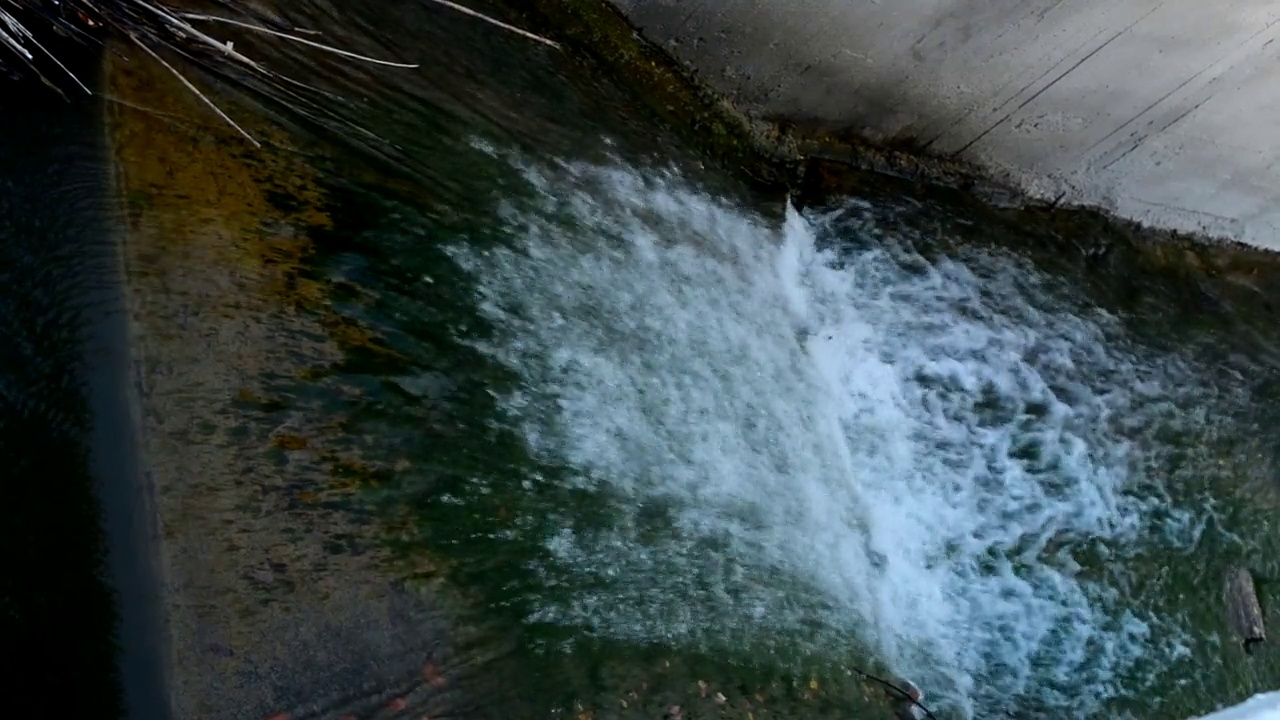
(64,427)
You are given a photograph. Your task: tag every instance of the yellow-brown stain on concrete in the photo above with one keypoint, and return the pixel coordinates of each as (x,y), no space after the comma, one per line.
(276,596)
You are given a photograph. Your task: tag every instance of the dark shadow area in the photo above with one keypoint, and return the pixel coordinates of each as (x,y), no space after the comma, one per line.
(63,422)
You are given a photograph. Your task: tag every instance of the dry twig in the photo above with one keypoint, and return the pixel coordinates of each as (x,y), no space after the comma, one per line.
(195,90)
(295,38)
(499,23)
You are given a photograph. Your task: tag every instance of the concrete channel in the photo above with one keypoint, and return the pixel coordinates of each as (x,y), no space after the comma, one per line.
(1162,111)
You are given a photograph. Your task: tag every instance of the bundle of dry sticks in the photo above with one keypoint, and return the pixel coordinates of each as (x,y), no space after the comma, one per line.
(153,27)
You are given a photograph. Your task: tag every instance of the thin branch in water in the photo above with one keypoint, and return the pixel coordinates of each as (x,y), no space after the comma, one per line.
(280,88)
(190,30)
(12,35)
(195,90)
(284,95)
(58,62)
(295,38)
(140,108)
(499,23)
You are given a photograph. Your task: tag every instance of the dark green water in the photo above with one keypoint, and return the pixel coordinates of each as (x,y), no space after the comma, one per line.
(57,623)
(686,446)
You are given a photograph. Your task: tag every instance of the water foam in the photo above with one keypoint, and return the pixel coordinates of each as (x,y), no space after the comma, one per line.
(811,437)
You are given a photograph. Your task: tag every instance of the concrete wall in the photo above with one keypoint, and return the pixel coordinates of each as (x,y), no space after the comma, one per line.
(1165,111)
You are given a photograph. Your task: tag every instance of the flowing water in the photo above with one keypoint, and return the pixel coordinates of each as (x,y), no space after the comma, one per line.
(646,418)
(804,438)
(810,434)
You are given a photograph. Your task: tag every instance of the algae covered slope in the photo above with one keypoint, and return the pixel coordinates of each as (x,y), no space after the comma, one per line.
(277,594)
(283,454)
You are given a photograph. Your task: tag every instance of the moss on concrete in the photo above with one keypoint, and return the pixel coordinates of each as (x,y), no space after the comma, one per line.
(280,593)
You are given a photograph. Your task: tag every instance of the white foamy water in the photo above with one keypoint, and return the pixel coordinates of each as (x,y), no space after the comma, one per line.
(812,445)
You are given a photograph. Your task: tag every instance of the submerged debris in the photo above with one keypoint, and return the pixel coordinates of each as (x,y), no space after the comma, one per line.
(1244,613)
(909,707)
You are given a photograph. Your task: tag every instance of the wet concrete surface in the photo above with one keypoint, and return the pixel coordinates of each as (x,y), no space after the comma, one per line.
(1162,112)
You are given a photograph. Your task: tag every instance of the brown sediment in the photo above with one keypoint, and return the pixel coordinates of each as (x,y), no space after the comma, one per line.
(277,592)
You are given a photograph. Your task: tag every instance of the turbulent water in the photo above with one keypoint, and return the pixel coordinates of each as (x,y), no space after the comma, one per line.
(664,441)
(811,437)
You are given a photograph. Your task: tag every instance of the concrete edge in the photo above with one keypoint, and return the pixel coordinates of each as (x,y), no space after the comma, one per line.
(146,648)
